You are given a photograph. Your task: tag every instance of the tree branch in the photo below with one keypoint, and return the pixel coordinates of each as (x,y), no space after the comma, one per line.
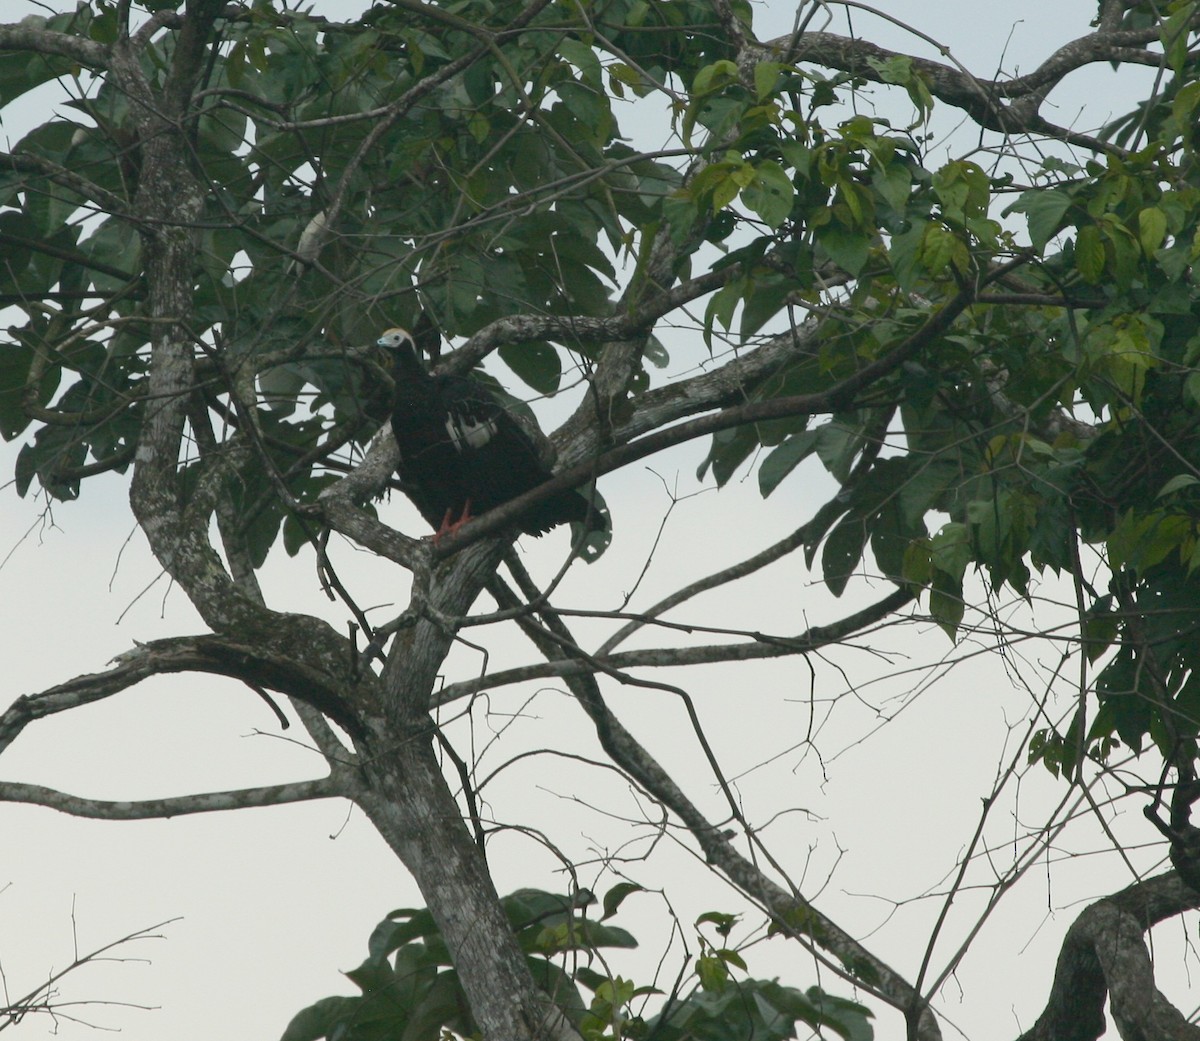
(981,98)
(330,787)
(30,37)
(41,998)
(102,199)
(216,655)
(1104,957)
(758,647)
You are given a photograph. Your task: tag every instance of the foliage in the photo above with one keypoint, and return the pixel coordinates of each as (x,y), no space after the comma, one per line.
(411,991)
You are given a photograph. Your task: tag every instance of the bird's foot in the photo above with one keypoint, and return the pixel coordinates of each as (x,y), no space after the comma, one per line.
(450,526)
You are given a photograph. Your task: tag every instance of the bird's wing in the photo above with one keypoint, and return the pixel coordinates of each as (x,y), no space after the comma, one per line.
(538,442)
(472,416)
(475,419)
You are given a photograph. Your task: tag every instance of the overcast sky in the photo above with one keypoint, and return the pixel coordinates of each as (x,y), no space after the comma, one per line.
(271,904)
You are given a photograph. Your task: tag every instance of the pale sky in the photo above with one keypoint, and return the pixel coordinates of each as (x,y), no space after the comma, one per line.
(272,903)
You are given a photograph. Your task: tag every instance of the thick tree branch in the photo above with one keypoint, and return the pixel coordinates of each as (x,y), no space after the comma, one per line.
(216,655)
(1104,958)
(411,805)
(982,99)
(30,37)
(169,201)
(339,506)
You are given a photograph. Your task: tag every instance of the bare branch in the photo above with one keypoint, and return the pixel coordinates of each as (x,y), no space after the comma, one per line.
(759,646)
(215,655)
(42,999)
(176,806)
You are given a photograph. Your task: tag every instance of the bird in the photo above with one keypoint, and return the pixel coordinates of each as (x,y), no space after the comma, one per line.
(462,453)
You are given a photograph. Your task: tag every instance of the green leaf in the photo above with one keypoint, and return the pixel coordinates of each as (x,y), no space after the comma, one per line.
(586,104)
(1090,258)
(946,603)
(321,1019)
(849,249)
(731,957)
(15,361)
(721,919)
(536,362)
(843,551)
(714,77)
(1100,628)
(1178,483)
(963,189)
(721,306)
(941,248)
(766,75)
(1152,229)
(784,458)
(656,353)
(713,974)
(838,444)
(1186,102)
(894,183)
(770,194)
(951,550)
(1175,35)
(768,296)
(23,71)
(620,73)
(1044,209)
(848,1018)
(584,59)
(616,896)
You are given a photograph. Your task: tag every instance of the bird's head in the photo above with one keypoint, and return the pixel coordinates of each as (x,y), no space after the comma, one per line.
(402,359)
(395,338)
(412,353)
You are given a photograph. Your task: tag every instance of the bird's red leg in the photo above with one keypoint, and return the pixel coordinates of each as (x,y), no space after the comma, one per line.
(449,527)
(444,526)
(466,516)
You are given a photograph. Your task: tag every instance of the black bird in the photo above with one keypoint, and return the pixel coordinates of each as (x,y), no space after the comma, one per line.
(462,453)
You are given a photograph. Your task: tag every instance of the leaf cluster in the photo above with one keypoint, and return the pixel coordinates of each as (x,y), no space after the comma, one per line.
(411,992)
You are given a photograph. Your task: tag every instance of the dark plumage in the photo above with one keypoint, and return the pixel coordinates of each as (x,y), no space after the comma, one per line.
(461,452)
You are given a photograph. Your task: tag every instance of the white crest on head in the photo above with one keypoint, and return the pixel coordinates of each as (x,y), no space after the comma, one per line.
(395,337)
